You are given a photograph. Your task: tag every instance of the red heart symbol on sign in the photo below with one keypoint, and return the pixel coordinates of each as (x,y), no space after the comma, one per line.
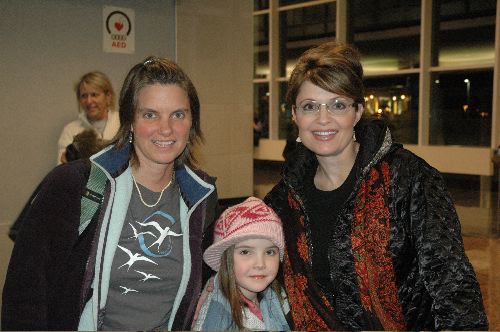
(118,25)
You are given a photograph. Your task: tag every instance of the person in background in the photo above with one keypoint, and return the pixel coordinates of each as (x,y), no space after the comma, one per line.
(84,145)
(372,237)
(246,253)
(96,100)
(136,263)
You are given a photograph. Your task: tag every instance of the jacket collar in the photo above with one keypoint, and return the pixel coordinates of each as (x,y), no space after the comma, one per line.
(83,119)
(375,142)
(192,186)
(114,162)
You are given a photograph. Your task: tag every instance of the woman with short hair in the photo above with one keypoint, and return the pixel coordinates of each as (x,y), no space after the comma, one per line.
(372,236)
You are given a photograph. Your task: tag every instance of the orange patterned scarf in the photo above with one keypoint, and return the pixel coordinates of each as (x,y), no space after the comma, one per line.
(370,236)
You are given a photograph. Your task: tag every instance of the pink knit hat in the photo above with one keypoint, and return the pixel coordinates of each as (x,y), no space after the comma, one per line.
(247,220)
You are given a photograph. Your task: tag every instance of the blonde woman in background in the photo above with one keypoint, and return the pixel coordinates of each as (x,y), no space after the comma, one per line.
(96,99)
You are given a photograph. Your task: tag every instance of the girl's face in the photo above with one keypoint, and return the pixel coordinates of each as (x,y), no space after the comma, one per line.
(256,263)
(161,125)
(327,132)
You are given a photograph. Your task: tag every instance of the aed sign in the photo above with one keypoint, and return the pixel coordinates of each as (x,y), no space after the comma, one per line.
(118,30)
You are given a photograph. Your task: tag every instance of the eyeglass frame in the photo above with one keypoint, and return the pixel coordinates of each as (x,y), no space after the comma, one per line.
(318,105)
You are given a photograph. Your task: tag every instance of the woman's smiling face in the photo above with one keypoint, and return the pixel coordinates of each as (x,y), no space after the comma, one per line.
(322,132)
(162,124)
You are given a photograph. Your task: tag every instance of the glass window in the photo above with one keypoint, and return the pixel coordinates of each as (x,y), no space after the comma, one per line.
(301,29)
(285,115)
(464,32)
(395,100)
(260,111)
(461,106)
(386,32)
(292,2)
(261,46)
(260,4)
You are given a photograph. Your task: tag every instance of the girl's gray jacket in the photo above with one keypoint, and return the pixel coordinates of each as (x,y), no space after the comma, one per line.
(216,313)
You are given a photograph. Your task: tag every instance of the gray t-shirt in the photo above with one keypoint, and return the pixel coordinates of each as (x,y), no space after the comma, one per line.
(147,266)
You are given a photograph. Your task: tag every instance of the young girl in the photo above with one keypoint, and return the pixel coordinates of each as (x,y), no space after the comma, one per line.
(247,249)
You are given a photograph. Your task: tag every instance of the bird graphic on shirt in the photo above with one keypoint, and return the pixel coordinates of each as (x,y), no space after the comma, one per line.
(147,276)
(164,232)
(134,258)
(127,290)
(136,234)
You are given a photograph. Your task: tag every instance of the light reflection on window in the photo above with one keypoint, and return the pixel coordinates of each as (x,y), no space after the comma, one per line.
(301,29)
(387,33)
(261,46)
(261,111)
(461,106)
(394,99)
(463,33)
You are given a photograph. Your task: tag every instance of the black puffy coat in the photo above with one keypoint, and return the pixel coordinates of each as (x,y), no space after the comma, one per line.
(396,253)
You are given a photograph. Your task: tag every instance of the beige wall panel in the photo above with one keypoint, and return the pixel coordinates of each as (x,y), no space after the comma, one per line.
(215,46)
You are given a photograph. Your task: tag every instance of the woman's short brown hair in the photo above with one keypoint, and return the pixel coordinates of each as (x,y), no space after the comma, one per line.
(332,66)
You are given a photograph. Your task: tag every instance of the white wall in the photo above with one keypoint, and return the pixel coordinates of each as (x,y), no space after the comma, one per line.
(45,46)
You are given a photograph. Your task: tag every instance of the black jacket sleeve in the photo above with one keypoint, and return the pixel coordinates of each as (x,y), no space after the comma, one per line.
(448,276)
(41,290)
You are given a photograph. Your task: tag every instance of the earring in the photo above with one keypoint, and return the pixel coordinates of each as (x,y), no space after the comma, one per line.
(130,137)
(354,136)
(298,139)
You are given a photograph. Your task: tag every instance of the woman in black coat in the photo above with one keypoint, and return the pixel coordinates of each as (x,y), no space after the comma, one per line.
(372,237)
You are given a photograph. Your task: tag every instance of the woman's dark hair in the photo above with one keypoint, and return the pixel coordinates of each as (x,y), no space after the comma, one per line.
(152,71)
(334,67)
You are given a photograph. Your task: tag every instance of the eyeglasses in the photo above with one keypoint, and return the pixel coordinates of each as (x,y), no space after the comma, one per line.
(334,107)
